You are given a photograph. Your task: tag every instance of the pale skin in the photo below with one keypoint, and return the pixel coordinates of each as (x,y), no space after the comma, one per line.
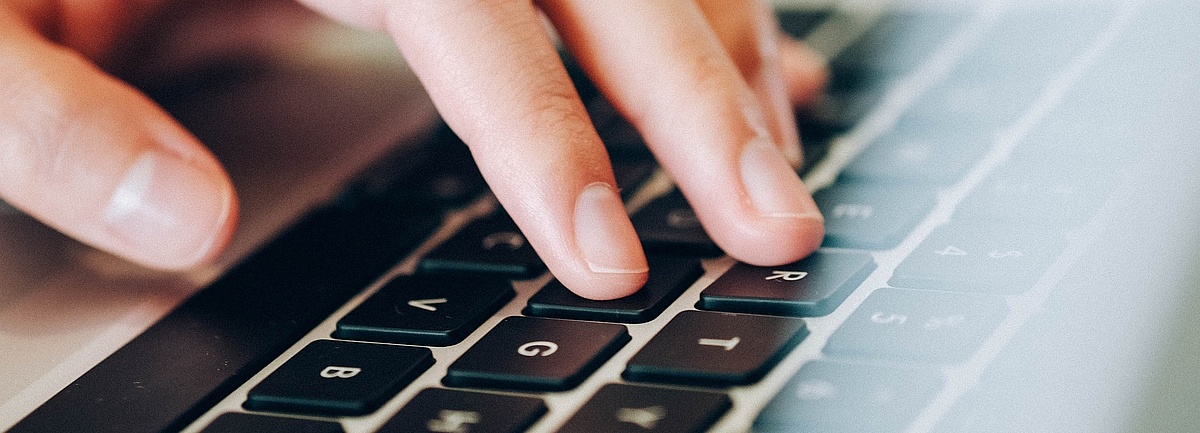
(709,83)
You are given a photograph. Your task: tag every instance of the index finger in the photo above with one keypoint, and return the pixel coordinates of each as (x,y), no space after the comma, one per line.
(497,80)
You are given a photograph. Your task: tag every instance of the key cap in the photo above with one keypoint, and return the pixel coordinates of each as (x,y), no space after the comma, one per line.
(631,172)
(814,286)
(525,353)
(978,258)
(490,245)
(834,397)
(920,152)
(871,216)
(443,174)
(227,332)
(619,408)
(429,310)
(799,23)
(898,43)
(437,410)
(1050,194)
(668,278)
(668,225)
(715,349)
(243,422)
(339,378)
(915,325)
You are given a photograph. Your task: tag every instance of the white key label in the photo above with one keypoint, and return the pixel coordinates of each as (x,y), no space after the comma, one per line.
(537,348)
(336,372)
(727,344)
(787,275)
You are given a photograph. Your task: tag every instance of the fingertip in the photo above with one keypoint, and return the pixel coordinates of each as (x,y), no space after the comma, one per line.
(789,240)
(168,213)
(599,286)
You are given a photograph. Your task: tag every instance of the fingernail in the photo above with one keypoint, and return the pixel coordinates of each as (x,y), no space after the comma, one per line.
(774,188)
(604,234)
(168,209)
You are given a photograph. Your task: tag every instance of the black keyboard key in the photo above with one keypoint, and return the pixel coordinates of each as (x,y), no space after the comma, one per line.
(437,410)
(339,378)
(668,278)
(668,225)
(717,349)
(972,258)
(631,172)
(917,325)
(871,216)
(814,286)
(833,397)
(230,330)
(244,422)
(619,408)
(798,23)
(429,310)
(525,353)
(441,173)
(490,245)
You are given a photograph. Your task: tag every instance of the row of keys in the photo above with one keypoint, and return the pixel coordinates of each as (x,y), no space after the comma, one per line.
(696,348)
(614,408)
(340,378)
(441,310)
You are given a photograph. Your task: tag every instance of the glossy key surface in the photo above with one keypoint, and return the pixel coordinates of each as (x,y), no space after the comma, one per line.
(668,278)
(490,245)
(438,410)
(243,422)
(526,353)
(669,225)
(968,257)
(715,349)
(620,408)
(813,286)
(339,378)
(917,325)
(870,215)
(431,310)
(835,397)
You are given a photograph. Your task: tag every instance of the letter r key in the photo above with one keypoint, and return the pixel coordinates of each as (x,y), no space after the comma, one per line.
(787,275)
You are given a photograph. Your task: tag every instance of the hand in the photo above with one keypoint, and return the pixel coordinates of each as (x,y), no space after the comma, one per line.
(707,82)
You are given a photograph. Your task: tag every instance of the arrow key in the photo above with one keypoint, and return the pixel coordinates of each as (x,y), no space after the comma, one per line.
(718,349)
(429,310)
(636,409)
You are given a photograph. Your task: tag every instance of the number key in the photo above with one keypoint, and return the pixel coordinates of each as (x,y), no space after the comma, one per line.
(986,259)
(917,325)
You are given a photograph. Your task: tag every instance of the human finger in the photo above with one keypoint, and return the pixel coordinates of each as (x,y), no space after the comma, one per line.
(97,160)
(666,70)
(748,33)
(497,80)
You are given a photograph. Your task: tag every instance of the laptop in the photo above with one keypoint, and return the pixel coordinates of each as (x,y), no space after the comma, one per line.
(1011,245)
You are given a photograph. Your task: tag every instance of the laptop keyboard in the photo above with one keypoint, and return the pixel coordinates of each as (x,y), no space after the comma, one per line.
(928,194)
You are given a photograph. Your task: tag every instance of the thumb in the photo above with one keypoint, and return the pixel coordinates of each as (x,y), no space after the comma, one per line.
(97,160)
